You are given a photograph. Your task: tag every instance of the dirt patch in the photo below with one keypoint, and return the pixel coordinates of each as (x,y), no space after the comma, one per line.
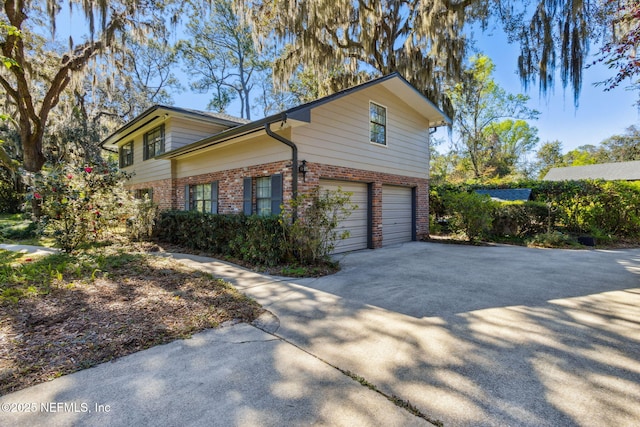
(82,319)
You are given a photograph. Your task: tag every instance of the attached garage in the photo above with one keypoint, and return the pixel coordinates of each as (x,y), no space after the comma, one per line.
(357,222)
(398,213)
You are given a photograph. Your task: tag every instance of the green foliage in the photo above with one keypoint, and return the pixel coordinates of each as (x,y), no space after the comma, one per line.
(489,142)
(10,200)
(520,219)
(263,240)
(312,237)
(603,209)
(552,239)
(140,224)
(255,239)
(82,204)
(470,213)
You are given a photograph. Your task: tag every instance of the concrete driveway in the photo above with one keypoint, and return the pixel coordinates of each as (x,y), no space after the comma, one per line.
(476,336)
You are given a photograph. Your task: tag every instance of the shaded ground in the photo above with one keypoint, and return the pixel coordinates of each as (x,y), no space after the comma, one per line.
(62,313)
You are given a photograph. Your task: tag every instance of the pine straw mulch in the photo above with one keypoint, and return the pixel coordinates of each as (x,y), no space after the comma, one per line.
(104,307)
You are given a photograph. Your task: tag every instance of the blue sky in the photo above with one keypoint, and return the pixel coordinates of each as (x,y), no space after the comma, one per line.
(599,115)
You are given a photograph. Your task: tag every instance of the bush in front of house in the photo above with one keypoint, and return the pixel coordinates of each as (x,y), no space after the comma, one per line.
(79,204)
(255,239)
(312,237)
(264,240)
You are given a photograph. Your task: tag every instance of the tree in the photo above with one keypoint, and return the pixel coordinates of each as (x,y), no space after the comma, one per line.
(620,53)
(621,148)
(425,40)
(34,91)
(221,53)
(581,156)
(482,136)
(549,155)
(511,140)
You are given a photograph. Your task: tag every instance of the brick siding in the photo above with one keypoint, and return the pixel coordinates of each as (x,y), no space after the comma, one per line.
(170,193)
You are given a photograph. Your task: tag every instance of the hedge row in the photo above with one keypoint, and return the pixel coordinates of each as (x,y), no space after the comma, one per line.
(610,208)
(255,239)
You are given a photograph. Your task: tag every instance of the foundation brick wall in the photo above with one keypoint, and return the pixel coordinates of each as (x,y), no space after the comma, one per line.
(170,193)
(163,192)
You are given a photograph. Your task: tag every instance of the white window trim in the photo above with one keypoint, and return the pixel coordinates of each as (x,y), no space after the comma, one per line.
(386,125)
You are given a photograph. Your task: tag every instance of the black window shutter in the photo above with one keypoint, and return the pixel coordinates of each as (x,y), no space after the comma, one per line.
(160,149)
(276,194)
(214,197)
(187,202)
(246,196)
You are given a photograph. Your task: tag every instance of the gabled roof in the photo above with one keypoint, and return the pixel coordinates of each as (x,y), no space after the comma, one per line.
(302,113)
(508,194)
(159,110)
(623,171)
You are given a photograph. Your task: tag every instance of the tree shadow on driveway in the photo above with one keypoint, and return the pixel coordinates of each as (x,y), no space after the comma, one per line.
(497,342)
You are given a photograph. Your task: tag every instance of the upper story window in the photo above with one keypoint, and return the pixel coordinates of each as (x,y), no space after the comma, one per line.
(154,142)
(126,154)
(377,124)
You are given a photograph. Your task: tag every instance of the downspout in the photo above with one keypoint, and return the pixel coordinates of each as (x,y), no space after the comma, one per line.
(294,164)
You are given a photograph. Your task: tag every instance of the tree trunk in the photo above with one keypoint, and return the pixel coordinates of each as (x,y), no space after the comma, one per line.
(33,157)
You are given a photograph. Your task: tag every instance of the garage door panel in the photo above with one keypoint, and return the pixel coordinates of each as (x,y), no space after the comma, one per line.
(397,214)
(356,223)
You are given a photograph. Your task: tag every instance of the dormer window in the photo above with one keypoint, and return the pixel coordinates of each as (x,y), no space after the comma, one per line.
(153,143)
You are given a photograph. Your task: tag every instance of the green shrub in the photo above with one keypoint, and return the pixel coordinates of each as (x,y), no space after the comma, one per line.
(11,200)
(312,238)
(24,230)
(470,213)
(553,239)
(520,219)
(260,241)
(255,239)
(263,240)
(140,224)
(82,204)
(606,208)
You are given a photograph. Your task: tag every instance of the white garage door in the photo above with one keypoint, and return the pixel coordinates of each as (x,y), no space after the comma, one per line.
(356,223)
(397,215)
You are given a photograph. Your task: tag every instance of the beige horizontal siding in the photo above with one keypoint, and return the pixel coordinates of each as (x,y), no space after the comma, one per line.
(259,150)
(339,135)
(146,170)
(181,132)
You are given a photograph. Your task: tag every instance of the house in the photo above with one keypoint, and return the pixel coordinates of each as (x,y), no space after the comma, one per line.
(371,140)
(507,194)
(620,171)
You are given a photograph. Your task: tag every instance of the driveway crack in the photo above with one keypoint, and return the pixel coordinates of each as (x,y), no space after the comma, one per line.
(399,402)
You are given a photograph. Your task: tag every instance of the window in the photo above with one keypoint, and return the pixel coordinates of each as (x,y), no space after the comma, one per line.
(377,124)
(143,192)
(202,197)
(267,195)
(126,154)
(154,142)
(263,196)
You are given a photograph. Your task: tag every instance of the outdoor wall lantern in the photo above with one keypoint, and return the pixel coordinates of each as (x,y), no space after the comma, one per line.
(303,169)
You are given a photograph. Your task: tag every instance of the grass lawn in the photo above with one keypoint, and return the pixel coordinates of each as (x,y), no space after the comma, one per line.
(62,313)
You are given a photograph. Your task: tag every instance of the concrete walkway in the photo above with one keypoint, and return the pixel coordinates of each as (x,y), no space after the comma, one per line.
(472,336)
